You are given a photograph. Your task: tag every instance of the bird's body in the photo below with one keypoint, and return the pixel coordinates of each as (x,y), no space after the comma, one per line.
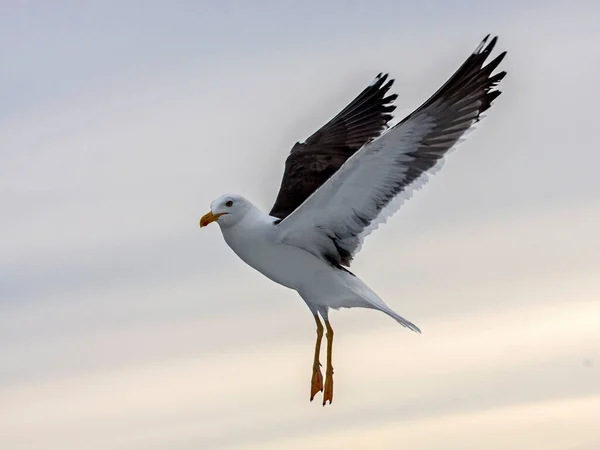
(345,180)
(257,240)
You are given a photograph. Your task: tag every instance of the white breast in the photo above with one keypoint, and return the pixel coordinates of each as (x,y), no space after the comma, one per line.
(255,241)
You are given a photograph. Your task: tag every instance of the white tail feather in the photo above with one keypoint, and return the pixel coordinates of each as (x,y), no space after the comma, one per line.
(373,301)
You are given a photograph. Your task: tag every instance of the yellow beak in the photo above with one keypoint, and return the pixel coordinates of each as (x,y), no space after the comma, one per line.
(208,218)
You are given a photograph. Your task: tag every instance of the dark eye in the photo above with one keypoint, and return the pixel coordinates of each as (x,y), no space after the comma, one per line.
(229,203)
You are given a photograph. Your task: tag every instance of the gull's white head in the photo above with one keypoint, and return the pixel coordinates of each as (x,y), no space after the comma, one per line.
(227,210)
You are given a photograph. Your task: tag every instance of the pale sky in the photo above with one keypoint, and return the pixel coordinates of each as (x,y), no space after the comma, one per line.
(125,326)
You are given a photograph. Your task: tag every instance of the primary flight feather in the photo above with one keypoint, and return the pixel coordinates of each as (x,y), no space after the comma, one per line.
(343,181)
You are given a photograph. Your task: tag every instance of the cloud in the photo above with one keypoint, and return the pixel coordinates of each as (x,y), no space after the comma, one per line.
(477,363)
(124,326)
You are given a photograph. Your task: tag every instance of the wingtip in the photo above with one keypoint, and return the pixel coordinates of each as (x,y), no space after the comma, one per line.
(484,46)
(379,79)
(481,45)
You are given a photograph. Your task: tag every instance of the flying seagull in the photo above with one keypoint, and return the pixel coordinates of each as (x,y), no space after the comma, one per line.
(345,180)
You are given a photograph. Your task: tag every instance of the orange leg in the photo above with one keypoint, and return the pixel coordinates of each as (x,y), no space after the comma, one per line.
(316,384)
(328,392)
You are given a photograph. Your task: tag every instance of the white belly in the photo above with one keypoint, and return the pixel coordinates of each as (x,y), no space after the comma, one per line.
(315,280)
(289,266)
(318,283)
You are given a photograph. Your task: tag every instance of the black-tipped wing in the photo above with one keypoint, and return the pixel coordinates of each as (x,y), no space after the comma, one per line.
(333,222)
(311,163)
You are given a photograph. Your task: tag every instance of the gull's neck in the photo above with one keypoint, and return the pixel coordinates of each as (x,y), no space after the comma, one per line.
(251,235)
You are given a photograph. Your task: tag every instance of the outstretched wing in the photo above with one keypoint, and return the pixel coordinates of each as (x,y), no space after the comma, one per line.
(333,221)
(311,163)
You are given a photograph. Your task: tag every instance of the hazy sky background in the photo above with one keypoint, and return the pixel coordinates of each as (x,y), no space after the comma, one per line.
(124,326)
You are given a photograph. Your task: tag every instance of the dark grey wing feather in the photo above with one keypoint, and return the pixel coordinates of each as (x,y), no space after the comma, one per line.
(333,222)
(311,163)
(466,95)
